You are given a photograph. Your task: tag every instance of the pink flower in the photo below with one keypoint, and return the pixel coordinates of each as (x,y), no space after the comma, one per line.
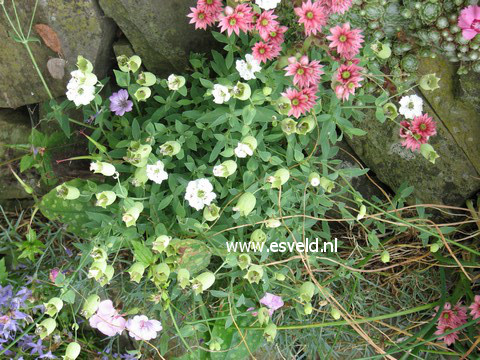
(304,73)
(276,36)
(107,320)
(313,16)
(140,328)
(53,274)
(311,94)
(346,41)
(266,23)
(231,21)
(201,18)
(245,12)
(262,51)
(339,6)
(447,339)
(298,102)
(475,307)
(348,78)
(452,317)
(424,125)
(273,302)
(469,21)
(213,7)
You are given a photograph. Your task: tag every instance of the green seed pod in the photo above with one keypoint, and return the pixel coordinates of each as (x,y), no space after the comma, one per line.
(254,274)
(202,282)
(306,291)
(67,192)
(307,309)
(183,278)
(211,212)
(263,316)
(170,148)
(161,272)
(90,306)
(105,198)
(136,272)
(244,261)
(45,328)
(335,313)
(72,351)
(146,79)
(53,306)
(289,126)
(258,236)
(245,204)
(270,332)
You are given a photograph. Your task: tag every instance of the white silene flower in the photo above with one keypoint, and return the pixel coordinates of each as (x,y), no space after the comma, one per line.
(175,82)
(81,87)
(248,67)
(103,168)
(220,93)
(199,193)
(243,150)
(267,4)
(411,106)
(156,172)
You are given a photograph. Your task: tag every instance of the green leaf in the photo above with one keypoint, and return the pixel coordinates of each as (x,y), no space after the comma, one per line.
(143,253)
(123,79)
(3,271)
(26,162)
(136,131)
(69,297)
(194,254)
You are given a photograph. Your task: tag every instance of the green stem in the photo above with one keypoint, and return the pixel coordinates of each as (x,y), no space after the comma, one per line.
(178,330)
(38,70)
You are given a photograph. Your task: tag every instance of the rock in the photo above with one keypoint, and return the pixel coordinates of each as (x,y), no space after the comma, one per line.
(159,31)
(81,29)
(470,89)
(123,47)
(450,181)
(14,130)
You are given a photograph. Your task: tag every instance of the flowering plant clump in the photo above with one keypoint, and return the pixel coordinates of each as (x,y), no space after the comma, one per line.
(241,149)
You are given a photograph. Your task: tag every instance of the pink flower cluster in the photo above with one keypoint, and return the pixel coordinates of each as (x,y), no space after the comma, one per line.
(109,322)
(452,318)
(347,79)
(417,132)
(469,21)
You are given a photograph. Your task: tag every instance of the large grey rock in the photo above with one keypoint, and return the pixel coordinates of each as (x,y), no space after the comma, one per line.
(451,180)
(82,30)
(159,31)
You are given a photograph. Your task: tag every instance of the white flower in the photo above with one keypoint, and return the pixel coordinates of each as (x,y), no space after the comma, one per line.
(175,82)
(220,93)
(247,68)
(82,78)
(268,4)
(243,150)
(199,193)
(81,88)
(140,328)
(218,170)
(156,172)
(411,106)
(103,168)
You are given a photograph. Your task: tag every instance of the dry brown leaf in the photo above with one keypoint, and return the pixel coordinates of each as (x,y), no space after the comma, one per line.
(49,37)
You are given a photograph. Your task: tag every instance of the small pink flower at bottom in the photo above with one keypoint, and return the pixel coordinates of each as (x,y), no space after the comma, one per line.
(475,307)
(298,101)
(107,320)
(140,328)
(424,125)
(273,302)
(448,339)
(469,21)
(413,141)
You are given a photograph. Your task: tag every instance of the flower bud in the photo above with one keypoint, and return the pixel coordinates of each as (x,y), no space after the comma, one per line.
(84,65)
(161,242)
(254,274)
(134,63)
(143,93)
(289,126)
(215,344)
(170,148)
(327,184)
(45,328)
(131,215)
(263,316)
(103,168)
(183,278)
(280,177)
(390,110)
(335,313)
(307,309)
(242,91)
(202,282)
(306,125)
(245,204)
(225,169)
(385,257)
(90,306)
(314,179)
(105,198)
(362,212)
(429,153)
(53,306)
(161,272)
(279,277)
(211,212)
(175,82)
(146,79)
(267,90)
(270,332)
(434,247)
(67,192)
(72,351)
(106,276)
(258,236)
(136,272)
(273,223)
(429,82)
(244,261)
(307,290)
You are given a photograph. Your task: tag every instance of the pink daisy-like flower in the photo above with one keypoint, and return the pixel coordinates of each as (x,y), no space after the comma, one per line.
(452,317)
(231,21)
(304,73)
(298,101)
(413,141)
(313,17)
(447,339)
(348,78)
(475,307)
(346,41)
(276,36)
(245,12)
(210,6)
(404,128)
(262,51)
(339,6)
(424,125)
(201,18)
(311,94)
(469,21)
(266,23)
